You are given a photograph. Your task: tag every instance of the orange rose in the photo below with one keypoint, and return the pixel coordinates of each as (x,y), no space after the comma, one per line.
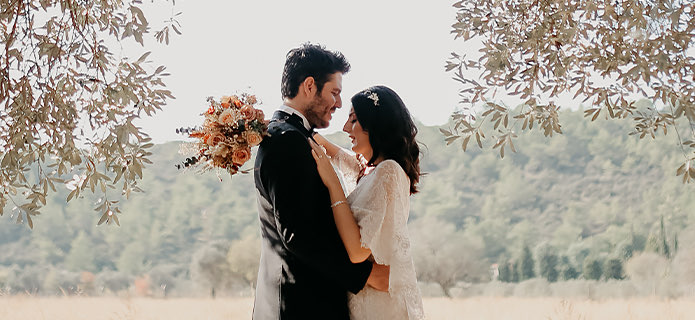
(211,110)
(248,113)
(226,99)
(238,103)
(214,138)
(240,156)
(260,116)
(253,138)
(251,99)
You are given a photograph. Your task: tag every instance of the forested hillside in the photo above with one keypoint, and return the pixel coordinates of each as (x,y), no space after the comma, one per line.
(592,192)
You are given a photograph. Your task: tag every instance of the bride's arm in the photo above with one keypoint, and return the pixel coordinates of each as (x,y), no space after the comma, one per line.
(342,214)
(331,148)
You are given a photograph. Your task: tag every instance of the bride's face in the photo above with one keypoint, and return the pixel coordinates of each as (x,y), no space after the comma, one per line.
(359,137)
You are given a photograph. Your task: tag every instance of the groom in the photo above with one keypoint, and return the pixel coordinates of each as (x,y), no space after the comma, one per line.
(305,272)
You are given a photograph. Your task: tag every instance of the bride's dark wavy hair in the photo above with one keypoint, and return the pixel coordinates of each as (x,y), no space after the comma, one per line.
(382,113)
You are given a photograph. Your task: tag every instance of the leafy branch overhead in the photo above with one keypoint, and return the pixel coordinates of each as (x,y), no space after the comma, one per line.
(610,53)
(69,102)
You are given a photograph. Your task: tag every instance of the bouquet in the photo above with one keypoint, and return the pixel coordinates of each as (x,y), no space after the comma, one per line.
(231,128)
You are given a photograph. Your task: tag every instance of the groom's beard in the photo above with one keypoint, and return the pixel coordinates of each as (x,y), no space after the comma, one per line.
(317,112)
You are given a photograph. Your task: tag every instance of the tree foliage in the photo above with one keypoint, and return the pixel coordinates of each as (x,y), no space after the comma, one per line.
(527,264)
(69,101)
(592,269)
(613,269)
(610,53)
(584,201)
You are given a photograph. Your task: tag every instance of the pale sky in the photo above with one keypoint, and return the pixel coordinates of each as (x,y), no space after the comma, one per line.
(235,46)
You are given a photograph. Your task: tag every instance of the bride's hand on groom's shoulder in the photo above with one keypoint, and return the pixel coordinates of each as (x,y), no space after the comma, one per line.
(324,166)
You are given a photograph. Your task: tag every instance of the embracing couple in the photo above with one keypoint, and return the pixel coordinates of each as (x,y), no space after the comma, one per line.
(335,248)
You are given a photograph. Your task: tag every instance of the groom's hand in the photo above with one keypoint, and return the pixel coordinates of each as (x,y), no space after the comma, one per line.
(379,278)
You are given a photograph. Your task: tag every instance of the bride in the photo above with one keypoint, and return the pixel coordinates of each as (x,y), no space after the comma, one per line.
(372,219)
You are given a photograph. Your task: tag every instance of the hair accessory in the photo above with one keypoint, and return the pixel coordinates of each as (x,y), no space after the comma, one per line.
(373,96)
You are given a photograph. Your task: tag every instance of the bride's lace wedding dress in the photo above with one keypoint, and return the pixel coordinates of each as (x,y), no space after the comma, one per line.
(381,204)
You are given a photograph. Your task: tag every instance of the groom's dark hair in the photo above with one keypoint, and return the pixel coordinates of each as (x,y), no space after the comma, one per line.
(310,60)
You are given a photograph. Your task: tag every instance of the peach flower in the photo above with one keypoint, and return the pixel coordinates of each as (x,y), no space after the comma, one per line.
(260,116)
(226,117)
(253,138)
(241,155)
(248,113)
(214,138)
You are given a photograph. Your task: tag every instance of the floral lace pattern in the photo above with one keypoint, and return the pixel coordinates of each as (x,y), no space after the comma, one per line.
(381,204)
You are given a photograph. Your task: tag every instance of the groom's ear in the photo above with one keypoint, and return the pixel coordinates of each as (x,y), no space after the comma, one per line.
(309,86)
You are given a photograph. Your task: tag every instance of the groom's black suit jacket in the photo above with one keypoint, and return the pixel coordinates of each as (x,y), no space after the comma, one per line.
(305,272)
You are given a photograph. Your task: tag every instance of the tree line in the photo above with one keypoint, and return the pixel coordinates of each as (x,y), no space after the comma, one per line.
(579,205)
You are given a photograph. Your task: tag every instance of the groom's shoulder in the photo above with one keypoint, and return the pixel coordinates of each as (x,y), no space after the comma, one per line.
(282,128)
(284,133)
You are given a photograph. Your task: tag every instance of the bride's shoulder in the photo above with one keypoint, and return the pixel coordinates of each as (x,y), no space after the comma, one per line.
(390,167)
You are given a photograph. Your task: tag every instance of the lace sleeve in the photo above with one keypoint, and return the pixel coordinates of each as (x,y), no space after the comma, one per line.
(348,167)
(383,212)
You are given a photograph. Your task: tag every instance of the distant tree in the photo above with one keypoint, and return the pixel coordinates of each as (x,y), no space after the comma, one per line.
(652,244)
(70,100)
(683,264)
(538,50)
(548,266)
(613,269)
(132,258)
(648,268)
(625,250)
(665,250)
(505,272)
(444,256)
(210,267)
(81,256)
(526,265)
(568,272)
(514,269)
(244,257)
(592,269)
(658,243)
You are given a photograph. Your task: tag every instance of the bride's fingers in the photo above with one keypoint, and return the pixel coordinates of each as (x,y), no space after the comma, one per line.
(320,152)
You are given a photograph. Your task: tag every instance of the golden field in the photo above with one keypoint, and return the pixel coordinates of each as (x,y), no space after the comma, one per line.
(26,308)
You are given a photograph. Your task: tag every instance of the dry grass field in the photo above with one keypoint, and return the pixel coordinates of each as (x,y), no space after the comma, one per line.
(26,308)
